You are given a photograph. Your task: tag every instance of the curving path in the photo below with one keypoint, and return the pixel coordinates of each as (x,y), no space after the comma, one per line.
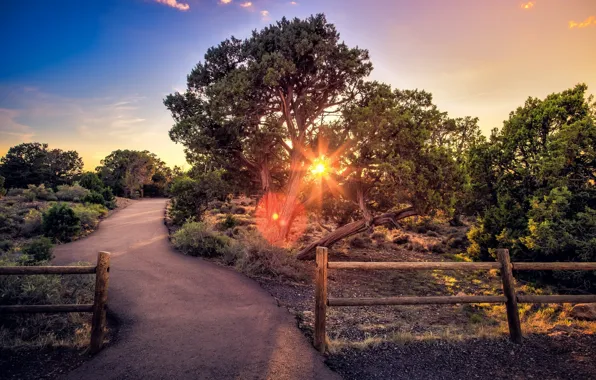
(183,317)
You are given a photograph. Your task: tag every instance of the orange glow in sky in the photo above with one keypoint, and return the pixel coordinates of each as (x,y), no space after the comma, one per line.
(528,5)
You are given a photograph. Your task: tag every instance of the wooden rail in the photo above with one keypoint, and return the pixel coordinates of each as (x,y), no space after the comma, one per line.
(98,307)
(504,264)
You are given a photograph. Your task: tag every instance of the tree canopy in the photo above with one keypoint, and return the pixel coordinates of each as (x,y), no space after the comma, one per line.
(536,181)
(258,103)
(35,164)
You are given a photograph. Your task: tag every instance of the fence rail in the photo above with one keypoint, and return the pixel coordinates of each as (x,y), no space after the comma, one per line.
(504,264)
(100,299)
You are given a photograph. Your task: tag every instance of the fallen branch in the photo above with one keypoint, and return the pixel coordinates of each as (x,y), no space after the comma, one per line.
(354,228)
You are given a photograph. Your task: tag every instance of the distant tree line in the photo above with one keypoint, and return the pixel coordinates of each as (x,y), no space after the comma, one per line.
(126,173)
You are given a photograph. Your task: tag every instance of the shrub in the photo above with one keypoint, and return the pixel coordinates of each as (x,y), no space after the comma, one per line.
(191,197)
(257,258)
(229,222)
(360,242)
(74,193)
(196,239)
(15,192)
(33,193)
(89,214)
(37,250)
(61,223)
(91,181)
(32,223)
(5,246)
(401,239)
(94,197)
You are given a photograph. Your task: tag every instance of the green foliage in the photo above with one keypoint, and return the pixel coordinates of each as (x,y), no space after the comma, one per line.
(191,196)
(37,250)
(34,164)
(128,171)
(196,239)
(60,223)
(91,181)
(89,214)
(74,193)
(5,246)
(536,182)
(33,193)
(94,197)
(229,222)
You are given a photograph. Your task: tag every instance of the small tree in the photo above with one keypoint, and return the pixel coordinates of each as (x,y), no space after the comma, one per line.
(191,196)
(91,181)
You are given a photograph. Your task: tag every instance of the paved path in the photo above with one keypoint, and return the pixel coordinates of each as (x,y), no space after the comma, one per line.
(183,317)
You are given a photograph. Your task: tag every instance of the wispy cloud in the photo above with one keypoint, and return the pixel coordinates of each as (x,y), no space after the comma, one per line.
(293,3)
(246,4)
(528,5)
(224,2)
(590,21)
(264,15)
(175,4)
(9,126)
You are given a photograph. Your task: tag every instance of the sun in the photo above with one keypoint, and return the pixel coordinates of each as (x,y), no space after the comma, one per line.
(319,167)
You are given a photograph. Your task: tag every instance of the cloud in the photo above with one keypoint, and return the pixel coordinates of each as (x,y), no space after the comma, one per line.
(10,127)
(265,14)
(224,2)
(528,5)
(246,4)
(590,21)
(293,3)
(175,4)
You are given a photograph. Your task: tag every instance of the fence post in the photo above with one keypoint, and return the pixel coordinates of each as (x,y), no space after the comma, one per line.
(321,299)
(509,290)
(98,322)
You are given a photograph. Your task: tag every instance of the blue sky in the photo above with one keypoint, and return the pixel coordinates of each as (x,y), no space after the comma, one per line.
(91,75)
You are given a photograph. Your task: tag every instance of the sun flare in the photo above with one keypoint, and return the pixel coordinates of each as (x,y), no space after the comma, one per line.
(319,167)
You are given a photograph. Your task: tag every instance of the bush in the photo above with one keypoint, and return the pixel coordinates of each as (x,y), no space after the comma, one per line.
(5,246)
(196,239)
(40,192)
(37,250)
(95,197)
(89,214)
(61,223)
(257,258)
(238,210)
(191,197)
(360,242)
(32,223)
(15,192)
(74,193)
(229,222)
(91,182)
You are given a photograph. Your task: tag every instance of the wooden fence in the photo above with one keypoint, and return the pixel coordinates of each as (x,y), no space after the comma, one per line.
(509,297)
(98,307)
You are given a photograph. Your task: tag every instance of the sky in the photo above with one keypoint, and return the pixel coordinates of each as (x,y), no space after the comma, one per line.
(91,75)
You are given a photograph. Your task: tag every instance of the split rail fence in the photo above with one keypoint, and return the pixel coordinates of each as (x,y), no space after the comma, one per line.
(98,307)
(504,264)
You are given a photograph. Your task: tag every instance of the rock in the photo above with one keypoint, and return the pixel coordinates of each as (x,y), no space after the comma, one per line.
(584,311)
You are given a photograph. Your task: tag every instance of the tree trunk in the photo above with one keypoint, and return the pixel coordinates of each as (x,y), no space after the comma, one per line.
(352,229)
(287,215)
(268,196)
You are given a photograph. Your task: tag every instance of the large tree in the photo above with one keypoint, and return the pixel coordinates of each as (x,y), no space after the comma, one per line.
(35,164)
(259,102)
(388,162)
